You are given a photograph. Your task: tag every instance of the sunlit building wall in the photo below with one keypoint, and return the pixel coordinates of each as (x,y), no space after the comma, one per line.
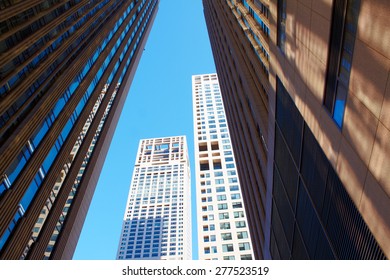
(223,232)
(306,89)
(157,219)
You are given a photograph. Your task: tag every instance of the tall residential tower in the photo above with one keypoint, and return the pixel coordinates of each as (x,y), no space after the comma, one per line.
(65,71)
(157,219)
(307,92)
(223,232)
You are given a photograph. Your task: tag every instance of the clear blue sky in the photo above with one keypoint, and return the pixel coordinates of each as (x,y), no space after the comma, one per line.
(159,104)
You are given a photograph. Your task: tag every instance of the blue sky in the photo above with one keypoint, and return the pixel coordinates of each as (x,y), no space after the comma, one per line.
(159,104)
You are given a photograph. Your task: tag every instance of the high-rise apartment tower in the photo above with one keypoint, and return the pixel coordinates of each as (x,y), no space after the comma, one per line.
(307,93)
(157,219)
(223,232)
(65,70)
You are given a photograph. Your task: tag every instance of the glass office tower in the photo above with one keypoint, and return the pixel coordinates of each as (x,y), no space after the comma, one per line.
(223,232)
(65,69)
(157,219)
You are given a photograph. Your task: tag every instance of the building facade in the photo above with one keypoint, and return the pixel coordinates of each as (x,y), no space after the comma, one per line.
(223,232)
(65,70)
(306,88)
(157,219)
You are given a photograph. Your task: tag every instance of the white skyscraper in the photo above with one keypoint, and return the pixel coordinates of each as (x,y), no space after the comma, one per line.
(157,220)
(223,232)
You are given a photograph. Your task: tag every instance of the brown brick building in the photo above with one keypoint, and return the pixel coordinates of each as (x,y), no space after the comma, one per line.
(65,70)
(306,87)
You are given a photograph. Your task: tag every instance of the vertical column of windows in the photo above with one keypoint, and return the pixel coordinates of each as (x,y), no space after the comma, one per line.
(342,41)
(281,25)
(219,192)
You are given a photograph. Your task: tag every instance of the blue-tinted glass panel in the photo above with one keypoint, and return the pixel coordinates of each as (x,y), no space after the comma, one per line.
(16,168)
(345,13)
(40,134)
(50,158)
(31,191)
(3,187)
(339,106)
(281,25)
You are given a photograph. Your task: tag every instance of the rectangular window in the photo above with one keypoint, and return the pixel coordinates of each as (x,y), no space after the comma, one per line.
(242,234)
(224,216)
(237,205)
(342,41)
(232,173)
(222,206)
(219,181)
(227,248)
(217,164)
(240,224)
(281,40)
(226,236)
(239,214)
(230,165)
(204,166)
(246,257)
(224,225)
(233,180)
(244,246)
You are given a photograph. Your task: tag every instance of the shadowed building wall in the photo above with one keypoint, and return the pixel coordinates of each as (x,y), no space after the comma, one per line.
(65,68)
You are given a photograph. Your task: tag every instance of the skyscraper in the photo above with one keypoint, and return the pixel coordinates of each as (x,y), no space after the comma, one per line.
(157,219)
(223,232)
(306,89)
(65,70)
(243,72)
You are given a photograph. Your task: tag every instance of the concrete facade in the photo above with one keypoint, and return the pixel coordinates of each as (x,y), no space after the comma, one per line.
(157,219)
(222,221)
